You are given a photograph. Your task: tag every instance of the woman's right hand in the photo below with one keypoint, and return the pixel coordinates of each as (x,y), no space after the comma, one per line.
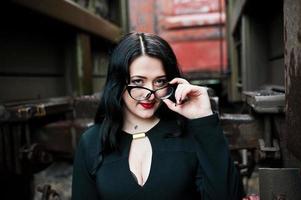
(192,101)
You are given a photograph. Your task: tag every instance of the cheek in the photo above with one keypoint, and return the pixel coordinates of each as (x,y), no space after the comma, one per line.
(128,101)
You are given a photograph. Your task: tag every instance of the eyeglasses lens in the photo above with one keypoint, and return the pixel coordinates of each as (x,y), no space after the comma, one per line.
(164,93)
(143,94)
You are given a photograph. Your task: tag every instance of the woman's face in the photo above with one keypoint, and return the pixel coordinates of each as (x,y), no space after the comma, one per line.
(147,72)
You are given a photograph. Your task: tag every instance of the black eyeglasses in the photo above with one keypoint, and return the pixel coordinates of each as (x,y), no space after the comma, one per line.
(140,93)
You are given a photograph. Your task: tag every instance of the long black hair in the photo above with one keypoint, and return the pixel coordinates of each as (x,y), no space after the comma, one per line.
(131,46)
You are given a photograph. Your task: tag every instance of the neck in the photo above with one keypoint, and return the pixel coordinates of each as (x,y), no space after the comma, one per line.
(133,124)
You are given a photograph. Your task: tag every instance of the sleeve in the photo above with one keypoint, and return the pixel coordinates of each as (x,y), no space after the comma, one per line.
(217,177)
(83,185)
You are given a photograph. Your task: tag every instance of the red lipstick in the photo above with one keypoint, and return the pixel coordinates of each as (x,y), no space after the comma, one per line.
(147,105)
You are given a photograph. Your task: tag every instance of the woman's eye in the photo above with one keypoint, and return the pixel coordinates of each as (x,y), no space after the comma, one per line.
(160,82)
(137,82)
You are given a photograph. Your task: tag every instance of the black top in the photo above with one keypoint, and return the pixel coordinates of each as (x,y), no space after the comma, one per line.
(196,165)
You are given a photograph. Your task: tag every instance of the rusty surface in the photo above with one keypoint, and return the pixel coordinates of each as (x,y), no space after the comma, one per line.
(23,111)
(241,130)
(292,39)
(195,20)
(279,183)
(210,33)
(35,133)
(280,129)
(181,7)
(141,15)
(200,55)
(195,30)
(62,137)
(86,106)
(265,101)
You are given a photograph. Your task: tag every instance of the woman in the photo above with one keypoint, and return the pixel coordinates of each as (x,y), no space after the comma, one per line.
(155,136)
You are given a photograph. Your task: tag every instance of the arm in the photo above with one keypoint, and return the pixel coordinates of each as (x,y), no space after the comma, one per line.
(83,185)
(217,177)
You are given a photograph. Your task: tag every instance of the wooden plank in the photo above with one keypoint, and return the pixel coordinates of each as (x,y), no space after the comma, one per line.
(85,73)
(72,14)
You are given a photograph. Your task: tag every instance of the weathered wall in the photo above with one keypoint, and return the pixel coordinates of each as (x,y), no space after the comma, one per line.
(194,29)
(292,39)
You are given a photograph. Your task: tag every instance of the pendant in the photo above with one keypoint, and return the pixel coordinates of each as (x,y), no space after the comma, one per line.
(138,135)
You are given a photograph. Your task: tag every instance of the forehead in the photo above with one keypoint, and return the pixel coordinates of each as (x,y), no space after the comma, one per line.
(146,66)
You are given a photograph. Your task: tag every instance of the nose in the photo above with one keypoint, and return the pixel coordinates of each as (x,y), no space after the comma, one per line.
(150,96)
(149,86)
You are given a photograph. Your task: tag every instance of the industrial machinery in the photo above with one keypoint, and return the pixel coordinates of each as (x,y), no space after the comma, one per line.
(53,64)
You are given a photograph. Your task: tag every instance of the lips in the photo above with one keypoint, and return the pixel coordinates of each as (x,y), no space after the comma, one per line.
(147,105)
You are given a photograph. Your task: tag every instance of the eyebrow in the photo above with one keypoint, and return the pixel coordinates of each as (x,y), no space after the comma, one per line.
(143,77)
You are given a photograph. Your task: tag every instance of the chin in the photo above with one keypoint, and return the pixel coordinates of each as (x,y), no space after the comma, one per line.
(146,115)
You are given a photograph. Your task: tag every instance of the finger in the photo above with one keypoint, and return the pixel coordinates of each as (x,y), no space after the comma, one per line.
(203,90)
(178,81)
(171,105)
(191,91)
(178,93)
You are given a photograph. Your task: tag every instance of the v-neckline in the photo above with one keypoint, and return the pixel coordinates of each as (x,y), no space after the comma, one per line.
(149,134)
(132,175)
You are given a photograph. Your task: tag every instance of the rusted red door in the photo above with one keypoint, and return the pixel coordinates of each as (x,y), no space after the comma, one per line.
(194,28)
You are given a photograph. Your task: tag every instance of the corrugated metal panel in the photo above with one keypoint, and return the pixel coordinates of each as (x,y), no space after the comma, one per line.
(194,28)
(194,20)
(142,15)
(203,55)
(195,6)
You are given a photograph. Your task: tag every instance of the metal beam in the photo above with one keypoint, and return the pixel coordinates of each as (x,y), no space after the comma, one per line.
(72,14)
(238,9)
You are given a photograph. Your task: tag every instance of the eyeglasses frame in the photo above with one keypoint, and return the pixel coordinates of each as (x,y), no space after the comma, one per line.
(130,87)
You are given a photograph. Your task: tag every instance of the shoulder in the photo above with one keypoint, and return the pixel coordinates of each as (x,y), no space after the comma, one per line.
(91,134)
(89,146)
(90,141)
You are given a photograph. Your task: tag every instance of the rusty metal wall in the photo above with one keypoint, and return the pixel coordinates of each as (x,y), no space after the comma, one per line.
(198,25)
(195,30)
(292,39)
(141,15)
